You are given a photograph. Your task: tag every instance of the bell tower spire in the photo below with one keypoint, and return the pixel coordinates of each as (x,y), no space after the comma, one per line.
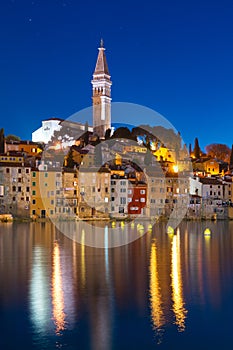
(101,94)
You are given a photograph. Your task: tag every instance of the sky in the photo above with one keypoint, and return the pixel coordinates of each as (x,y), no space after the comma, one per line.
(175,57)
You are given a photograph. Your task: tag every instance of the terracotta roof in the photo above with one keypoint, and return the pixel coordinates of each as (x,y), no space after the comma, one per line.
(210,181)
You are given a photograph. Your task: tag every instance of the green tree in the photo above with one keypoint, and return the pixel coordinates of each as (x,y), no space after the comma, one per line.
(2,140)
(107,134)
(196,150)
(12,138)
(70,163)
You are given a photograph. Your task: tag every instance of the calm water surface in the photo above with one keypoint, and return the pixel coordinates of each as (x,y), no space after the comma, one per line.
(159,292)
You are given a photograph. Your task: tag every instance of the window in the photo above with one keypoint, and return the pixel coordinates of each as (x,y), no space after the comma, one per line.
(52,201)
(27,189)
(33,201)
(113,182)
(27,199)
(7,170)
(14,199)
(142,200)
(33,212)
(51,212)
(27,171)
(122,200)
(34,174)
(219,193)
(142,192)
(33,192)
(122,183)
(129,200)
(19,189)
(93,189)
(45,174)
(19,171)
(112,199)
(153,201)
(14,188)
(19,179)
(33,183)
(211,193)
(129,191)
(82,209)
(106,189)
(123,190)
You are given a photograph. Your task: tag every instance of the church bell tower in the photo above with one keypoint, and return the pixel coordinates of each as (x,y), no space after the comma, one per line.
(101,94)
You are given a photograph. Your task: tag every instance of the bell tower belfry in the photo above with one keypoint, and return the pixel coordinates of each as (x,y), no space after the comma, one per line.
(101,94)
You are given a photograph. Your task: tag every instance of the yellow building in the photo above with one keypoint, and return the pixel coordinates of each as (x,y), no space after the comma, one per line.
(165,154)
(94,193)
(45,186)
(28,147)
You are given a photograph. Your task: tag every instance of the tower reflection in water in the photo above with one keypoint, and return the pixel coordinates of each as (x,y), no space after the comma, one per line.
(176,283)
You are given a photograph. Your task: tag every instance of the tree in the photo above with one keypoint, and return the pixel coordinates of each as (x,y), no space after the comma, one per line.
(196,150)
(12,138)
(123,133)
(86,126)
(70,163)
(107,134)
(231,158)
(2,141)
(98,155)
(219,151)
(148,158)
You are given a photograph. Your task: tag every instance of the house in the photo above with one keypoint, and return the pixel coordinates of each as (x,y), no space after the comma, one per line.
(94,193)
(137,198)
(15,194)
(120,186)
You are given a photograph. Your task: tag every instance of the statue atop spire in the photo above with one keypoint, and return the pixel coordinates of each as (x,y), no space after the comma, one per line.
(102,43)
(101,64)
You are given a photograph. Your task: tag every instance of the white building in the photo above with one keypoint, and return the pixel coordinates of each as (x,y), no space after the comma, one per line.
(45,132)
(119,194)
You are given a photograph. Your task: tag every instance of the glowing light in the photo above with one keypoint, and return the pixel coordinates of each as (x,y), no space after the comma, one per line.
(175,168)
(207,232)
(155,293)
(57,146)
(57,292)
(83,263)
(177,293)
(170,230)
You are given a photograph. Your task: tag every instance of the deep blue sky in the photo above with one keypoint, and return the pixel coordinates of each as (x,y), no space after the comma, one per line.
(173,56)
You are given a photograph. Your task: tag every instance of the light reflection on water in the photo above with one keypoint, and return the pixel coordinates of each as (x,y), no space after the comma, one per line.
(57,291)
(176,282)
(68,295)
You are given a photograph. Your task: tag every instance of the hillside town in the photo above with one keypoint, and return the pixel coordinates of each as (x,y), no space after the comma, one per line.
(71,170)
